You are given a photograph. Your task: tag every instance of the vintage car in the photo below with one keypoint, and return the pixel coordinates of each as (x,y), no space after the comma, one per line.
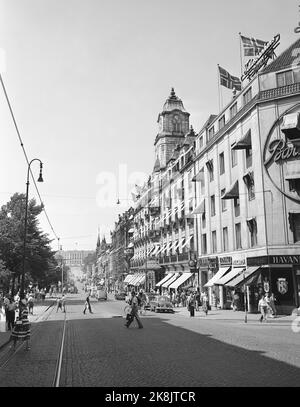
(101,293)
(161,304)
(120,295)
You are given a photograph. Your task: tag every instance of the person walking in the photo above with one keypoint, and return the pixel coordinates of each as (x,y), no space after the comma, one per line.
(21,329)
(197,300)
(11,314)
(263,308)
(30,303)
(87,304)
(191,304)
(59,304)
(63,303)
(272,300)
(204,300)
(134,311)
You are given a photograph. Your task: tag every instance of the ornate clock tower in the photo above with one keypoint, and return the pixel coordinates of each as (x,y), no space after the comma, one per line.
(173,124)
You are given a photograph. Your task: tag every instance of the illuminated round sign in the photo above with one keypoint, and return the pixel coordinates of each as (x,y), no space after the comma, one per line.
(278,154)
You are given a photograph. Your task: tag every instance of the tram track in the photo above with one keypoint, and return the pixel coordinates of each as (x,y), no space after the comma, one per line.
(7,354)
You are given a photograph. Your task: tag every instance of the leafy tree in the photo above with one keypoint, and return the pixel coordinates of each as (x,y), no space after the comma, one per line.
(40,264)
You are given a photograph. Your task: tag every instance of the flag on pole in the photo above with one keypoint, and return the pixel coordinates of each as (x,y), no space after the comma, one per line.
(228,80)
(252,46)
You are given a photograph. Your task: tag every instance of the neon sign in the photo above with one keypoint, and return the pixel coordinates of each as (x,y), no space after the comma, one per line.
(255,64)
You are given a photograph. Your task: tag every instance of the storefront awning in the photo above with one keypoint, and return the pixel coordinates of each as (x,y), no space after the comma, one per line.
(292,170)
(229,276)
(128,278)
(136,278)
(182,279)
(170,281)
(217,276)
(155,250)
(199,177)
(249,273)
(140,280)
(244,142)
(233,191)
(200,208)
(291,125)
(164,279)
(130,246)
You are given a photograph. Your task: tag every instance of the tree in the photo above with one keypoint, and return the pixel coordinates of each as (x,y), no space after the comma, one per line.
(39,258)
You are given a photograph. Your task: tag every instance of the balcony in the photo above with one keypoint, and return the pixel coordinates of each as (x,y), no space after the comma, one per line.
(280,92)
(175,258)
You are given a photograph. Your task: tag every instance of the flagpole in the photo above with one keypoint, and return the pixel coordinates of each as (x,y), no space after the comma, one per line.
(219,90)
(241,57)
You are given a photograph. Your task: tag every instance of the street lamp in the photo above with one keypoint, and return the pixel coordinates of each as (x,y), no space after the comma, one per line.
(40,179)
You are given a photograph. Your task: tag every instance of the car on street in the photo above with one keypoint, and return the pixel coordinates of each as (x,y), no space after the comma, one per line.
(161,304)
(120,295)
(101,294)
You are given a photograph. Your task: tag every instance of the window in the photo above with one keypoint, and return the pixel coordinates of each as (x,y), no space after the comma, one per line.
(248,157)
(233,157)
(211,133)
(253,231)
(214,241)
(223,201)
(247,96)
(233,110)
(236,207)
(212,205)
(204,244)
(284,78)
(238,237)
(222,163)
(221,122)
(225,239)
(201,142)
(294,220)
(210,167)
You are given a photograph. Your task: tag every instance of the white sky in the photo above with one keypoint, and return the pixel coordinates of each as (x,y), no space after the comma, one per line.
(88,78)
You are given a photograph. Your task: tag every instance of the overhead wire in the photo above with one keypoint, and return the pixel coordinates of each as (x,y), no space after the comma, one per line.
(25,154)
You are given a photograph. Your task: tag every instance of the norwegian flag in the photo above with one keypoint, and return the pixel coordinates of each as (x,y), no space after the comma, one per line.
(252,46)
(228,80)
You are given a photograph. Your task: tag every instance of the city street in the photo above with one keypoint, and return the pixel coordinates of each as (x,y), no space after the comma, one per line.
(171,350)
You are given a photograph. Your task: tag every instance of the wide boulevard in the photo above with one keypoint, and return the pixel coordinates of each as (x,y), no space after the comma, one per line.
(171,350)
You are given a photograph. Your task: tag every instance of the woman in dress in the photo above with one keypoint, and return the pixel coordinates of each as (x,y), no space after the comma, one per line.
(21,329)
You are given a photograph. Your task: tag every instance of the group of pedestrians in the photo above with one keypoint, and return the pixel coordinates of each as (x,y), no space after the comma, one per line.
(195,300)
(266,306)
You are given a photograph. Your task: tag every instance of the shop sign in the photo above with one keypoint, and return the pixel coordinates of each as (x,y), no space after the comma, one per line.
(238,260)
(295,259)
(255,64)
(225,261)
(278,152)
(212,263)
(203,262)
(257,261)
(282,285)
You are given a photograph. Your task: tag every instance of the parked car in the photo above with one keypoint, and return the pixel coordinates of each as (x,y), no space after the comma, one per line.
(120,295)
(161,304)
(101,294)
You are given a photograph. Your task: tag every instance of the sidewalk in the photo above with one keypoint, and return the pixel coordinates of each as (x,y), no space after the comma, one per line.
(223,315)
(38,310)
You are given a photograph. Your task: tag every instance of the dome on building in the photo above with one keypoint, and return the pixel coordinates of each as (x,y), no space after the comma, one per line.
(173,102)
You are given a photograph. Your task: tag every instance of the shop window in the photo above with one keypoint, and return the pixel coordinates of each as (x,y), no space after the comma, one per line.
(222,163)
(212,205)
(204,244)
(284,78)
(223,201)
(214,241)
(252,225)
(233,157)
(238,237)
(225,239)
(294,221)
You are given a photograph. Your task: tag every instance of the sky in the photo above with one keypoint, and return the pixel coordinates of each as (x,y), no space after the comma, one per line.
(87,79)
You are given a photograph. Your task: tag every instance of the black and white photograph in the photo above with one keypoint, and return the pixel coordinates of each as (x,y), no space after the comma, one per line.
(149,197)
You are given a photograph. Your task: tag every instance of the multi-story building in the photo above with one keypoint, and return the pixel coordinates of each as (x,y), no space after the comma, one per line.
(74,258)
(248,190)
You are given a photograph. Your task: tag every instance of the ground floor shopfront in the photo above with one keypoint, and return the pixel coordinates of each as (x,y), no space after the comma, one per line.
(245,280)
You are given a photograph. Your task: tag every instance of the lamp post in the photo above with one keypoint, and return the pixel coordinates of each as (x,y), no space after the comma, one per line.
(40,179)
